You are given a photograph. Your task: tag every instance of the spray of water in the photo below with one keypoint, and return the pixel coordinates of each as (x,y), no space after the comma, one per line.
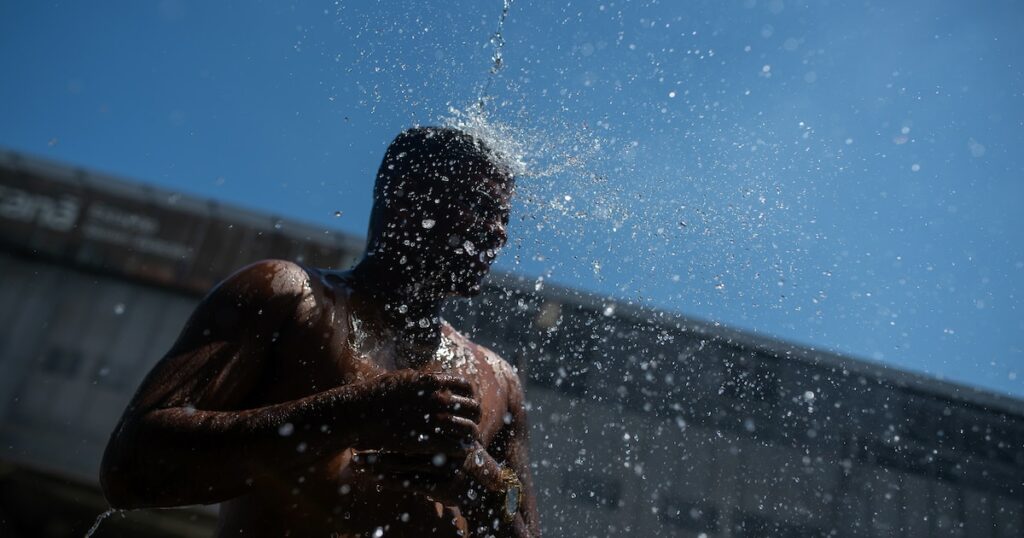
(99,520)
(670,194)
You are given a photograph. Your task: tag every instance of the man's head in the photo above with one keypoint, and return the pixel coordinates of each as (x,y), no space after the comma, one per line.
(440,207)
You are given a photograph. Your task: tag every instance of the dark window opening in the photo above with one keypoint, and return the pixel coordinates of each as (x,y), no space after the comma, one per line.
(602,491)
(689,515)
(62,362)
(108,375)
(753,526)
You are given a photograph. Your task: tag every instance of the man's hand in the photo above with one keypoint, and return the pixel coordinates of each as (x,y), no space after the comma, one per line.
(471,482)
(412,412)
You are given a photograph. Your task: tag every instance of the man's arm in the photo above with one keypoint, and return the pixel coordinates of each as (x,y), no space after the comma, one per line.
(512,448)
(183,439)
(473,482)
(187,436)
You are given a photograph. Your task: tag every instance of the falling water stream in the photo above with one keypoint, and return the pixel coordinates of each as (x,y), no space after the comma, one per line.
(99,520)
(497,58)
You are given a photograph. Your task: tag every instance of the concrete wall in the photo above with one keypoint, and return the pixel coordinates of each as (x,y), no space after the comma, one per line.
(643,422)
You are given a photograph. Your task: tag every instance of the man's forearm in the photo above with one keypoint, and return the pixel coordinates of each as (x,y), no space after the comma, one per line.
(181,455)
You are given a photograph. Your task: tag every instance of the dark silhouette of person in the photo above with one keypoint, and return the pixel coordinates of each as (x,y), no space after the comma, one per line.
(313,402)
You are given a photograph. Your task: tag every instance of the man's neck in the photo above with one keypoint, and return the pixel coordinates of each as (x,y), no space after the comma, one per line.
(400,286)
(411,309)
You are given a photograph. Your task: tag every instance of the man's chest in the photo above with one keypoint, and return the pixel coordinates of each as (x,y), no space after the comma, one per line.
(321,358)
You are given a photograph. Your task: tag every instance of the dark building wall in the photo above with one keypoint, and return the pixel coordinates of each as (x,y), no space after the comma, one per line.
(664,425)
(77,347)
(643,422)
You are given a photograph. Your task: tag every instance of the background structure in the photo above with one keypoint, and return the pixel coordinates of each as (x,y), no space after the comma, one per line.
(643,423)
(842,175)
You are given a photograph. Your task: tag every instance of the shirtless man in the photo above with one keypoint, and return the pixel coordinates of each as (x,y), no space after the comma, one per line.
(312,402)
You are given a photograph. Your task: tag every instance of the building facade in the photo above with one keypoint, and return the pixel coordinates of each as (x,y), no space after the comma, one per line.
(643,422)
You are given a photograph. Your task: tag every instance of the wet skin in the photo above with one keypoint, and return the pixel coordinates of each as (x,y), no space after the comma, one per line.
(284,373)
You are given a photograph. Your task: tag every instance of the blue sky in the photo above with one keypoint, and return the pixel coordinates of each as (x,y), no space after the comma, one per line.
(846,175)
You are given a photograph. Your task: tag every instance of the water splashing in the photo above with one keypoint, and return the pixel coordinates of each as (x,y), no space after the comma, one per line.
(697,206)
(99,520)
(533,152)
(497,58)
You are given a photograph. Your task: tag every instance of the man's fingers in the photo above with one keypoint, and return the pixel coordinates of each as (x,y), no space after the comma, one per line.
(422,474)
(448,433)
(411,482)
(460,406)
(395,465)
(456,427)
(417,484)
(466,407)
(456,384)
(438,466)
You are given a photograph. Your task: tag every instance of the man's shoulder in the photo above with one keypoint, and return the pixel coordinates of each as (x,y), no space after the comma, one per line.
(271,286)
(503,369)
(266,279)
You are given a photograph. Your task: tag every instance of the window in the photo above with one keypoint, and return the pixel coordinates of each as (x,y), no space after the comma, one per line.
(62,362)
(593,489)
(108,375)
(689,515)
(754,526)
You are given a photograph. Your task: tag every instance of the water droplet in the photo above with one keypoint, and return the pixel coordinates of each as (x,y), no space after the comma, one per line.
(439,459)
(286,429)
(119,309)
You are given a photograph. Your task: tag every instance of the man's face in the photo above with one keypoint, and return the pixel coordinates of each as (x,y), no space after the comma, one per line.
(456,228)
